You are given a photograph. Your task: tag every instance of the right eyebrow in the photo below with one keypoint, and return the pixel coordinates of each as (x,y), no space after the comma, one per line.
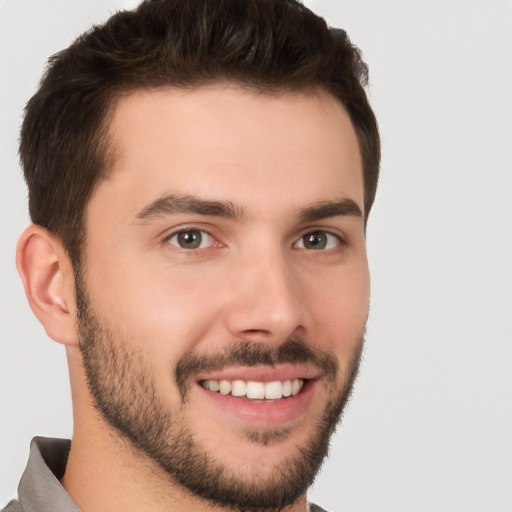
(172,204)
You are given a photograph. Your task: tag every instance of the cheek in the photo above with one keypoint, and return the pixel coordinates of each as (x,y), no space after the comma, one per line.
(162,307)
(339,310)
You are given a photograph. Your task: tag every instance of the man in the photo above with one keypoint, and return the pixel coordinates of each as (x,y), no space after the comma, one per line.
(200,175)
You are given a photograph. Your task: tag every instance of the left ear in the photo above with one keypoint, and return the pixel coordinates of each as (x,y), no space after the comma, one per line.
(49,282)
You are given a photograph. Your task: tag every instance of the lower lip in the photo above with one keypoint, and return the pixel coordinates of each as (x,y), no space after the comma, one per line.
(263,412)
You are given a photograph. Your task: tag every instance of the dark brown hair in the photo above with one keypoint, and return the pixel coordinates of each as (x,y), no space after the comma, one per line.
(265,45)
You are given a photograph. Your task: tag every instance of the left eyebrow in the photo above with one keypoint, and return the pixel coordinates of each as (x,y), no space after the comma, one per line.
(326,209)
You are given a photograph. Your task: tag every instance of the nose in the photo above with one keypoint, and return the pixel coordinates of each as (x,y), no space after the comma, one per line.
(266,302)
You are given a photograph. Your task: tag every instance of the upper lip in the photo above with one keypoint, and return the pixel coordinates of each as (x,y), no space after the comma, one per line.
(263,373)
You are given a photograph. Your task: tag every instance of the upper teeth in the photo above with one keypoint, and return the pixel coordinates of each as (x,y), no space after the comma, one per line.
(269,390)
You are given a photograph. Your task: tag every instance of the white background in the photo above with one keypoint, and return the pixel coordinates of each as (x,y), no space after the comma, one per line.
(430,424)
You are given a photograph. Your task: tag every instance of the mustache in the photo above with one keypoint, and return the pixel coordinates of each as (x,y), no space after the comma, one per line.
(243,353)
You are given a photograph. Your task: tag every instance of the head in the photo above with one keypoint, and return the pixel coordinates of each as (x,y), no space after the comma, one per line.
(207,169)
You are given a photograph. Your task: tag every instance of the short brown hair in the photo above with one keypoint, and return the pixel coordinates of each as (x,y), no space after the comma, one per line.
(265,45)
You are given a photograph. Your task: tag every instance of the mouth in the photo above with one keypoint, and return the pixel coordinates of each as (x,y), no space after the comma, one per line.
(265,396)
(255,390)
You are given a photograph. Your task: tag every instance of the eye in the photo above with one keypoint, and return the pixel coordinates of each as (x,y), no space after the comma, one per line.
(191,239)
(318,241)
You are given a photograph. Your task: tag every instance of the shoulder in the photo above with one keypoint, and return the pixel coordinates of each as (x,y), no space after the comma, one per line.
(315,508)
(12,506)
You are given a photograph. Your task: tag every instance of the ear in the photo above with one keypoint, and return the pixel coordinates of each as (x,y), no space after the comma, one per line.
(47,276)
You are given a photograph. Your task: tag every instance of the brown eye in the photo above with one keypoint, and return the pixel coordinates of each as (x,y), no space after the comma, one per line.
(318,241)
(191,239)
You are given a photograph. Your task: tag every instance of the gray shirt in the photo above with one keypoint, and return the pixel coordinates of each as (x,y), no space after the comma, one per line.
(40,490)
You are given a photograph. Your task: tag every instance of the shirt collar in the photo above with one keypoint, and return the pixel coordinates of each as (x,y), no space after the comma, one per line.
(40,489)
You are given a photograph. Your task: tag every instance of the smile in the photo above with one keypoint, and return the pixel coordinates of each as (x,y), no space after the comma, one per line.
(254,390)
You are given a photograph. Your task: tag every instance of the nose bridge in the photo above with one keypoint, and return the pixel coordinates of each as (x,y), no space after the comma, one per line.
(266,300)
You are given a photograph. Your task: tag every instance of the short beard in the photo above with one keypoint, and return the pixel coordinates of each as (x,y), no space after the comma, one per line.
(124,391)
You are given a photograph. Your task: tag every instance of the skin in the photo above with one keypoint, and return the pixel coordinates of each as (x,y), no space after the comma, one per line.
(253,279)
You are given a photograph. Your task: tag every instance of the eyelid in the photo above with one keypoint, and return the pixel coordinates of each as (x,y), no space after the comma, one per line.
(329,232)
(184,229)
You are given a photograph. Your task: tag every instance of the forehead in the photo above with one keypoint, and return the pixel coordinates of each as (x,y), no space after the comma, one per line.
(222,142)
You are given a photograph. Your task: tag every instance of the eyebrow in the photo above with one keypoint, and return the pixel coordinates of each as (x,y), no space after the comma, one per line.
(172,204)
(341,208)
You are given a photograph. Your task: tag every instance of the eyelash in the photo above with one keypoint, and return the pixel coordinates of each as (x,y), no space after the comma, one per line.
(338,240)
(311,232)
(183,231)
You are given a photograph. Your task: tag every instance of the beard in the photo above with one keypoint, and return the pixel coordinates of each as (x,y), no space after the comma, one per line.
(123,387)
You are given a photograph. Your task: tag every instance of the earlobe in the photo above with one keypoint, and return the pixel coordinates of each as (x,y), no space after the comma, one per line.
(47,276)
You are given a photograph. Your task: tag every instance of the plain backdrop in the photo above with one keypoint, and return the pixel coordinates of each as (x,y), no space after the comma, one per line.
(430,424)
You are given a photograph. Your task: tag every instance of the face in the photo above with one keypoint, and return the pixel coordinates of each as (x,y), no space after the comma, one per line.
(225,286)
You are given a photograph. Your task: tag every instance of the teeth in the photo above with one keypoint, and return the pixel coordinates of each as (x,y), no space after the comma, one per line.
(213,385)
(255,390)
(238,388)
(273,390)
(224,387)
